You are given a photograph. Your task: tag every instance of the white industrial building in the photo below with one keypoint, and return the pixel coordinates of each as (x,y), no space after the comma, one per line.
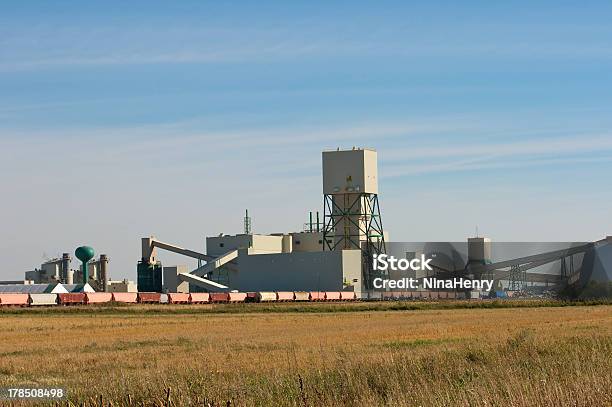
(329,259)
(336,254)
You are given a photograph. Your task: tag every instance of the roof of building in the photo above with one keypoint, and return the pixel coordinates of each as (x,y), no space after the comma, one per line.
(32,288)
(79,288)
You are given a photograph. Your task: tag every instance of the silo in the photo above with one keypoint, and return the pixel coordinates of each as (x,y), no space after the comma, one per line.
(65,268)
(103,278)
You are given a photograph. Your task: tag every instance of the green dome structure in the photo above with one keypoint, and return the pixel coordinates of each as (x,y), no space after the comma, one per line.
(84,253)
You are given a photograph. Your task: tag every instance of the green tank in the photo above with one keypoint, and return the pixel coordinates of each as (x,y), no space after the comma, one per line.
(85,253)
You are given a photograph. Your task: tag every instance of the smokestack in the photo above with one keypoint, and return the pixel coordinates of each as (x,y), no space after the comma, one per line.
(104,271)
(64,267)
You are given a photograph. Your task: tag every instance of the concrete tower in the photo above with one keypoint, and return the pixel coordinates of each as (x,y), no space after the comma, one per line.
(351,213)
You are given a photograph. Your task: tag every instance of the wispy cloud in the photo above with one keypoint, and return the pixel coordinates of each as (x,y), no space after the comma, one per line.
(405,148)
(586,148)
(58,46)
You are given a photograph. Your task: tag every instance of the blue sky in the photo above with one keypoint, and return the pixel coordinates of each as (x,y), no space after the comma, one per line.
(124,119)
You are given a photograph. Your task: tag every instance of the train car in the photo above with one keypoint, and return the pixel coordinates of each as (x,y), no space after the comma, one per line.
(285,296)
(199,298)
(14,299)
(128,298)
(237,297)
(43,299)
(316,296)
(333,296)
(301,296)
(347,296)
(219,297)
(149,298)
(178,298)
(98,298)
(251,297)
(266,296)
(387,296)
(71,298)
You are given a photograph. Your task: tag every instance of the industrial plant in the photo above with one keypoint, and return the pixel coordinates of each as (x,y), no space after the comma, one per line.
(333,255)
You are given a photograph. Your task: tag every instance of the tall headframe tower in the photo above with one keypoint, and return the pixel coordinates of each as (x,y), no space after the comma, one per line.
(351,213)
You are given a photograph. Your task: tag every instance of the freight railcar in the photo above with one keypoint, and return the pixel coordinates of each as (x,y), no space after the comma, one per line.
(98,298)
(128,298)
(20,300)
(149,298)
(43,299)
(199,298)
(72,299)
(178,298)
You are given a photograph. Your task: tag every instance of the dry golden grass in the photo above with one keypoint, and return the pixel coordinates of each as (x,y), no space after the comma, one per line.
(512,356)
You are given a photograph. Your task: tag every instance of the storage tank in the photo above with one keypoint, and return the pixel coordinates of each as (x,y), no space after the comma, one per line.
(104,271)
(65,269)
(84,253)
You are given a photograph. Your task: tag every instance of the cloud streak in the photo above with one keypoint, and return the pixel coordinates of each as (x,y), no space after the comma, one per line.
(79,46)
(406,148)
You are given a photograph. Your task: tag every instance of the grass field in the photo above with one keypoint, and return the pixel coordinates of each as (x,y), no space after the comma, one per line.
(380,354)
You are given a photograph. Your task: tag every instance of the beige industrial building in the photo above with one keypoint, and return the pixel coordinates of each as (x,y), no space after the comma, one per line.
(171,281)
(52,271)
(325,259)
(58,270)
(121,286)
